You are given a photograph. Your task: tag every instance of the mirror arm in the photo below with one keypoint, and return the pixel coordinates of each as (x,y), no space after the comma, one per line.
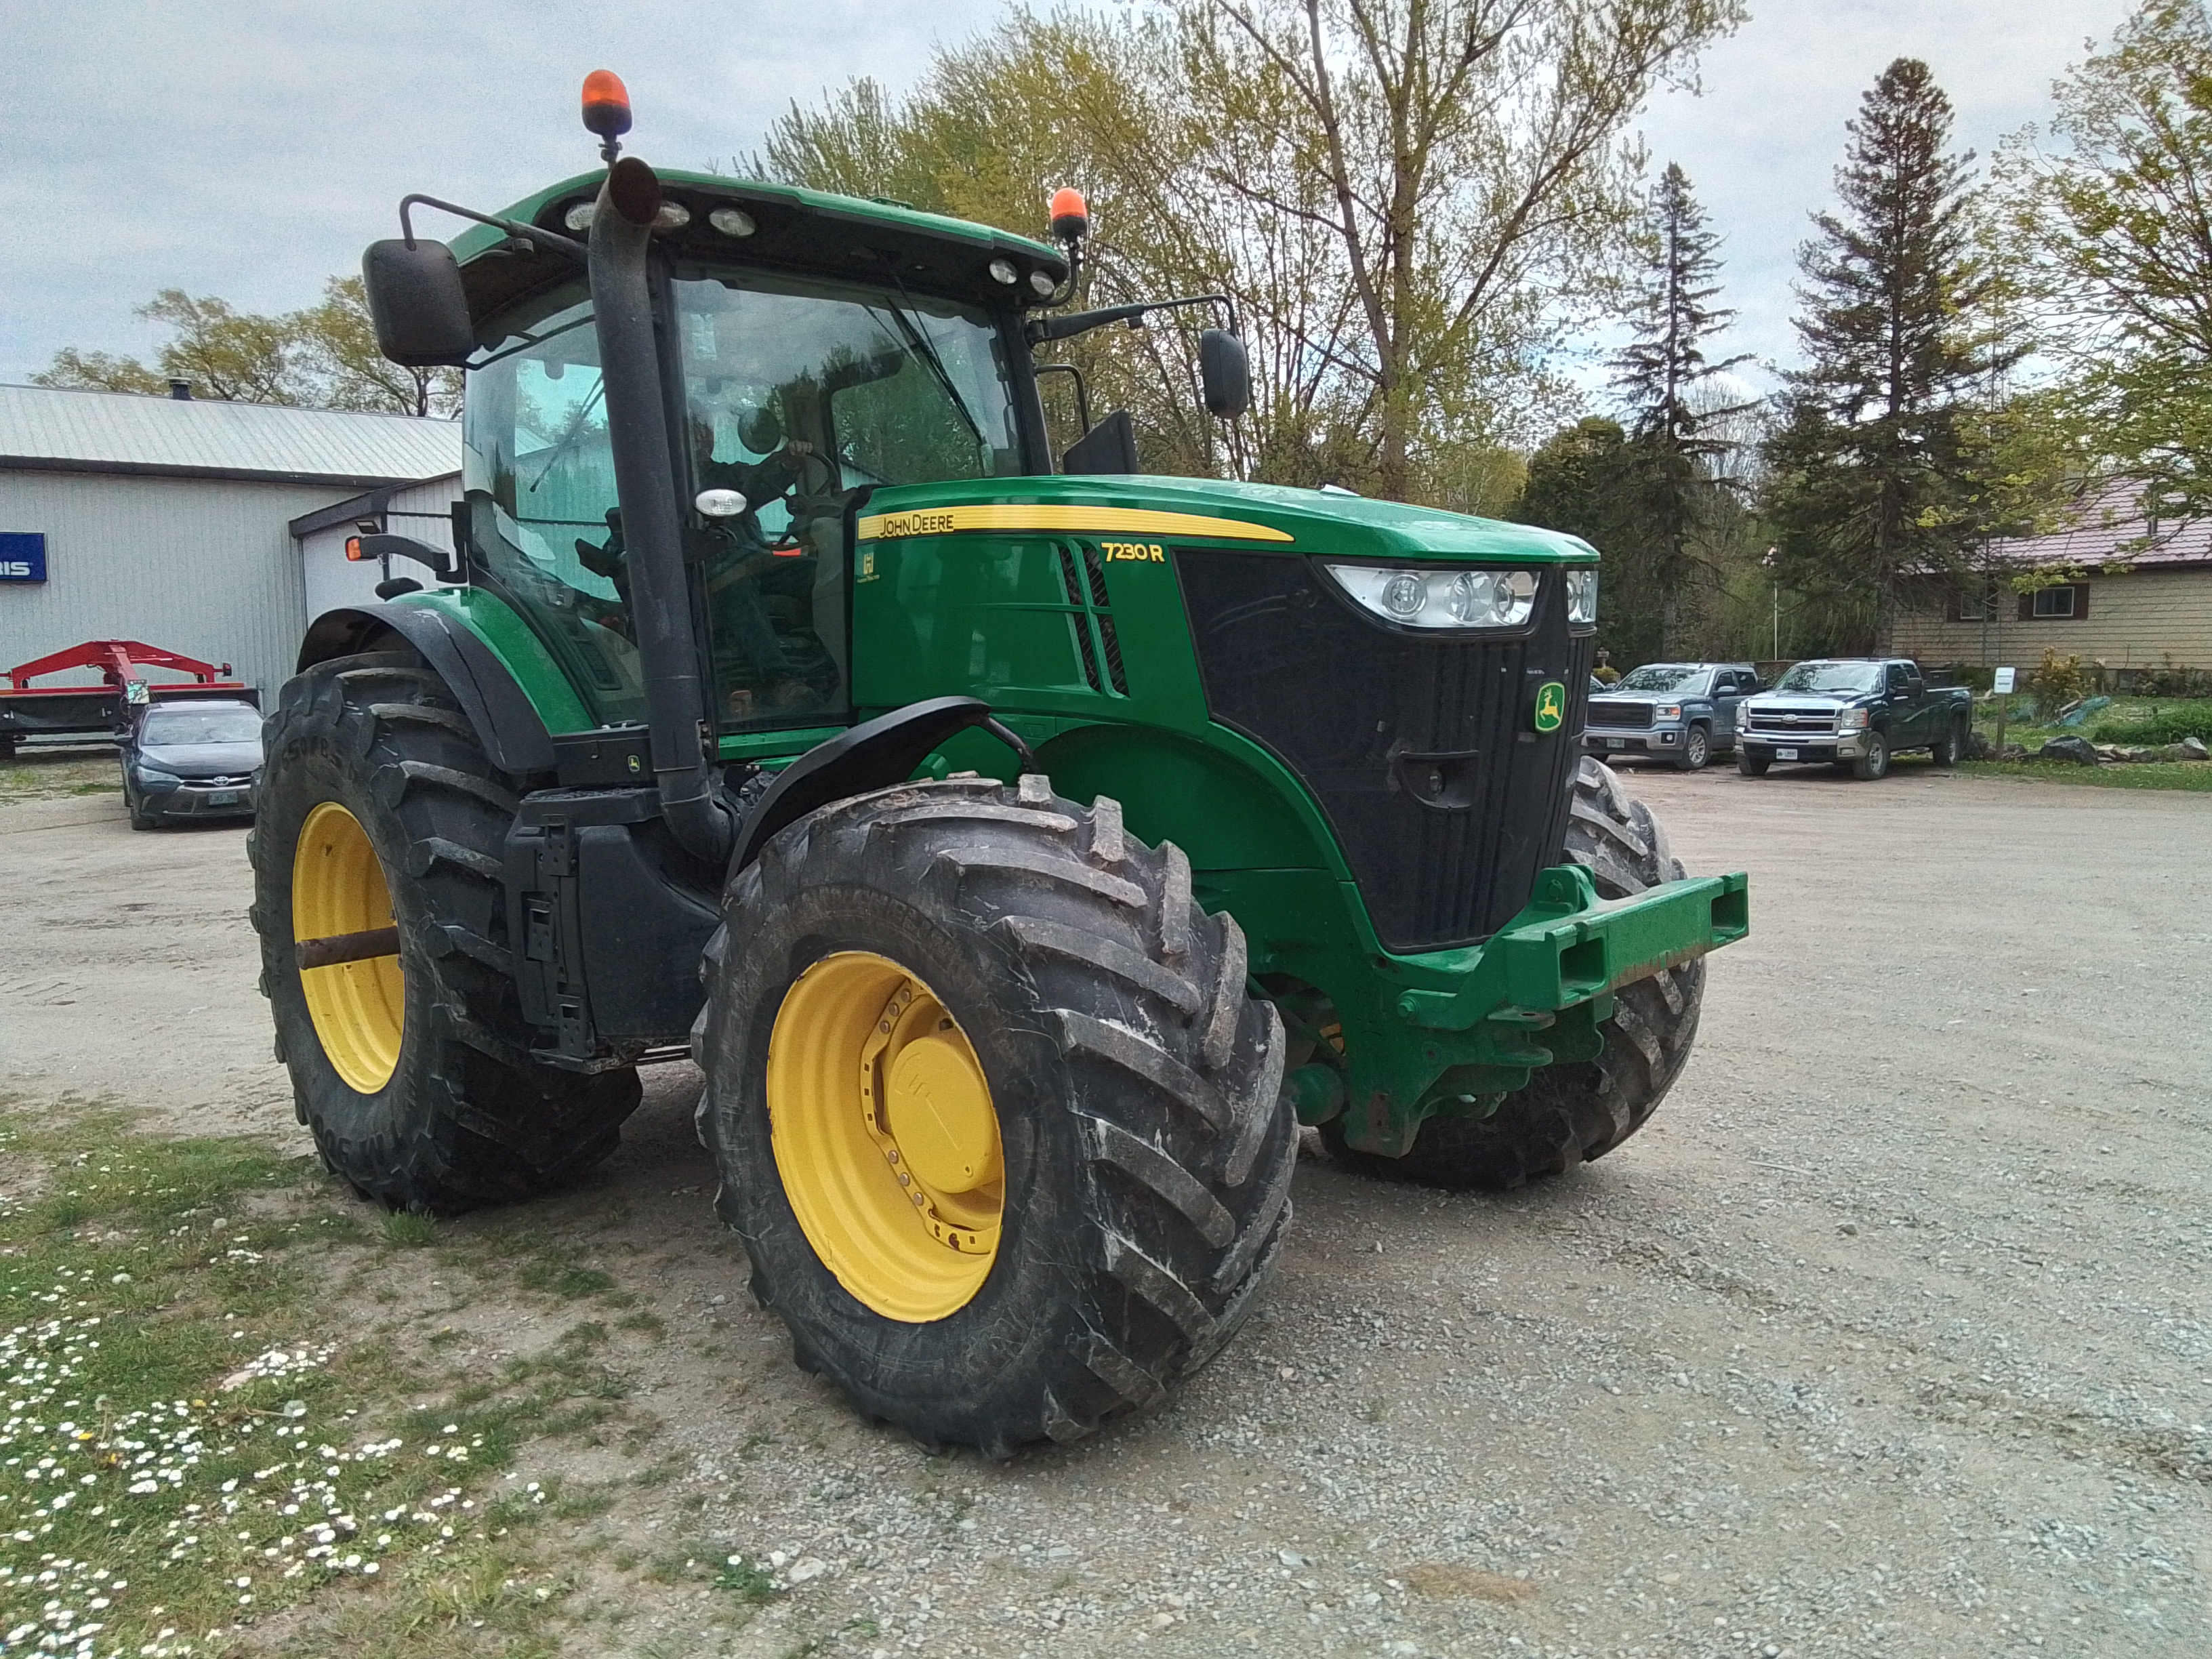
(1041,329)
(552,241)
(1082,390)
(386,546)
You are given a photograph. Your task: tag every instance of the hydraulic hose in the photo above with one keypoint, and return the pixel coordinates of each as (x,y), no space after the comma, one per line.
(652,532)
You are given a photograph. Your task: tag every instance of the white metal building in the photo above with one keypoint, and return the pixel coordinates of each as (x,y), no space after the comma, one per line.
(171,520)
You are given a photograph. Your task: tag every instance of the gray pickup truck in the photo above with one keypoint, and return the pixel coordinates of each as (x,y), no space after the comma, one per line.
(1854,714)
(1683,712)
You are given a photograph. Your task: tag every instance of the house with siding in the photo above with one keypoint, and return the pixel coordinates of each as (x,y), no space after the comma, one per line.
(2119,591)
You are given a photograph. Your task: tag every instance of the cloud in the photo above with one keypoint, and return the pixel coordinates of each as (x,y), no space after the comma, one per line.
(251,148)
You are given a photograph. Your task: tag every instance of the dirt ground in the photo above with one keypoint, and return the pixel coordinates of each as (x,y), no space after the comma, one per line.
(1890,1336)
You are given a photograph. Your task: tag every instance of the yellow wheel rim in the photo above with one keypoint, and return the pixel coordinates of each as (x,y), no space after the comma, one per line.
(885,1136)
(358,1007)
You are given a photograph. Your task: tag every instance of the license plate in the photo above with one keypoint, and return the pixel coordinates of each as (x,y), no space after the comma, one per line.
(1616,743)
(222,798)
(1785,754)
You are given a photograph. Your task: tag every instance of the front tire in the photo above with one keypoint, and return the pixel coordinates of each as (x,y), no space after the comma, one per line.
(1751,765)
(1103,1176)
(1874,764)
(1697,749)
(379,808)
(1569,1115)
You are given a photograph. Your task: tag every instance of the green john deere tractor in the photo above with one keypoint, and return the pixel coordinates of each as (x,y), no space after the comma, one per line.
(1024,852)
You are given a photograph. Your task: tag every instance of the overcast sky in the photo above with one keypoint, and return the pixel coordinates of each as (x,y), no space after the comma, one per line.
(250,150)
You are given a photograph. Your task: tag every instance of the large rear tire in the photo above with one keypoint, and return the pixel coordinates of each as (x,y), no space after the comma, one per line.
(1569,1115)
(1001,1130)
(379,808)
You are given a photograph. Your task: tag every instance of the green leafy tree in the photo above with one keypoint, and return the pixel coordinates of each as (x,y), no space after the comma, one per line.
(324,357)
(1412,202)
(1867,474)
(1583,481)
(229,355)
(2109,214)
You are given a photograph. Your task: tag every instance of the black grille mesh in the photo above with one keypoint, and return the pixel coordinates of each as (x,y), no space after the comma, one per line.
(1375,718)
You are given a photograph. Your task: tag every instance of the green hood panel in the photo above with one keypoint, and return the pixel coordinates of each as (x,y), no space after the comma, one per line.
(1296,521)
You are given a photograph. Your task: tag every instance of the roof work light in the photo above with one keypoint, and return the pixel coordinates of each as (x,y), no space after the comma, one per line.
(1071,215)
(606,109)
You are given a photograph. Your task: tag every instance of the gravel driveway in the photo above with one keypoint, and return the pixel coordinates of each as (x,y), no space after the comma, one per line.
(1888,1337)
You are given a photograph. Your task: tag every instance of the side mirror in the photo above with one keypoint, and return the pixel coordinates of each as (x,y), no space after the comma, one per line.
(1224,374)
(417,303)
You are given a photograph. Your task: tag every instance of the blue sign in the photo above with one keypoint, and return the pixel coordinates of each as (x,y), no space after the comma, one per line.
(22,555)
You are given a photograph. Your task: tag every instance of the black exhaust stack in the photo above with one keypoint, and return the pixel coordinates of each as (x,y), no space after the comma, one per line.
(653,531)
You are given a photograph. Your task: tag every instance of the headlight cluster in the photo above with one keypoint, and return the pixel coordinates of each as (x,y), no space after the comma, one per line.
(1668,711)
(1582,596)
(1440,598)
(157,778)
(1850,720)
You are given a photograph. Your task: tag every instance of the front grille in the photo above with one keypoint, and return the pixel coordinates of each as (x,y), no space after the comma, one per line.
(1419,750)
(1797,723)
(1618,714)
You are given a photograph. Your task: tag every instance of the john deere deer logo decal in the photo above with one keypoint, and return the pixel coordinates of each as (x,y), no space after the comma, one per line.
(1551,706)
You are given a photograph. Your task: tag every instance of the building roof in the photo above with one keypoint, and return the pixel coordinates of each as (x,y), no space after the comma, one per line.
(2109,529)
(55,429)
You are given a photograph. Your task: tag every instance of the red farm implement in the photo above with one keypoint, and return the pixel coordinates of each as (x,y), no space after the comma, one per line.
(105,710)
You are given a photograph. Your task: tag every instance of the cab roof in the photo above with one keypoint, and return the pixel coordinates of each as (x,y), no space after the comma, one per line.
(797,230)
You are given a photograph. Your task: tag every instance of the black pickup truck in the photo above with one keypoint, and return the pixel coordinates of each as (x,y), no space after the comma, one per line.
(1854,714)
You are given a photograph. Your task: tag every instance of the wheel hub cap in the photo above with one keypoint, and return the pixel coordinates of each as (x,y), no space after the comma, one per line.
(359,1008)
(885,1136)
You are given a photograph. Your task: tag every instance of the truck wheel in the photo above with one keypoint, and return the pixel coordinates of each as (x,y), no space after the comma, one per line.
(1571,1114)
(1001,1130)
(1874,764)
(1697,749)
(378,809)
(1946,749)
(1751,765)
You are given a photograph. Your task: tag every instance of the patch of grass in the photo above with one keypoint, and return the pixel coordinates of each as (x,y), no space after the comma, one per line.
(2190,777)
(186,1449)
(409,1229)
(645,1324)
(563,1280)
(747,1580)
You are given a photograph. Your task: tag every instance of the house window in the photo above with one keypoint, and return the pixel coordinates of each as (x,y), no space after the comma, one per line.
(1980,606)
(2054,602)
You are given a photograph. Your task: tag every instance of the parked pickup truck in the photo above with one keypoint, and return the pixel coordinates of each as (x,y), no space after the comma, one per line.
(1854,714)
(1683,712)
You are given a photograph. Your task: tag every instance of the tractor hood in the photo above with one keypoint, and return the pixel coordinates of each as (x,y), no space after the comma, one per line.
(1145,508)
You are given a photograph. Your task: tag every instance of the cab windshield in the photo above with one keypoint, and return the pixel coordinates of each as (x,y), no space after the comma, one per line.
(1664,677)
(1832,677)
(796,396)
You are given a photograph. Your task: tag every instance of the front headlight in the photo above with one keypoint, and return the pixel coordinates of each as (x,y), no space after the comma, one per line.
(1582,595)
(1440,598)
(1668,711)
(155,777)
(1852,720)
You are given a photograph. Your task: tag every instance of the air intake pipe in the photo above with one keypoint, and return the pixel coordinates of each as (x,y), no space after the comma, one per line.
(653,531)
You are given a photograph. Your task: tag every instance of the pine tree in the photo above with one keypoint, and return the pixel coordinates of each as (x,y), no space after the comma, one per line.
(1869,475)
(1665,377)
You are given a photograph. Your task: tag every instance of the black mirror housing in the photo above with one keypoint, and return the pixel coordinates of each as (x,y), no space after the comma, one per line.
(417,305)
(1224,374)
